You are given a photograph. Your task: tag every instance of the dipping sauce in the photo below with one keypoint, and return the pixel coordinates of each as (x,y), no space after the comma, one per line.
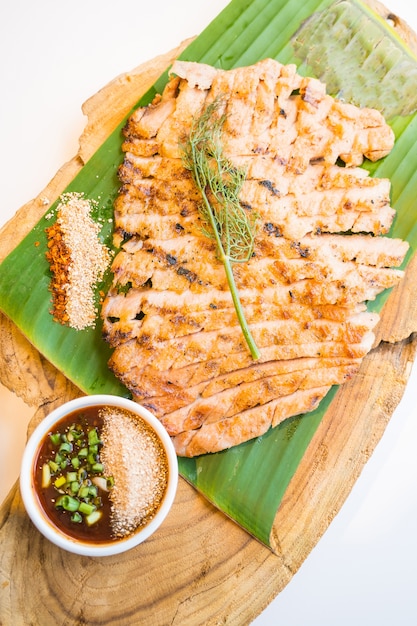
(101,474)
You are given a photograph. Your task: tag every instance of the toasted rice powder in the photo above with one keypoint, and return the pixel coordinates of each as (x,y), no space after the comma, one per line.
(133,455)
(77,261)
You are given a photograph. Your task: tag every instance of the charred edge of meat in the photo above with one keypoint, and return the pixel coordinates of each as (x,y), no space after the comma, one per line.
(270,186)
(115,338)
(272,229)
(172,260)
(303,252)
(123,235)
(308,95)
(188,275)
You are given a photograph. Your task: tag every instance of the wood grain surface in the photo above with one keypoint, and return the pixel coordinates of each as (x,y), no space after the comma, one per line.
(200,567)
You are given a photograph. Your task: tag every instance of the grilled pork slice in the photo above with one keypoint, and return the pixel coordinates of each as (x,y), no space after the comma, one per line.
(146,382)
(204,355)
(134,315)
(281,195)
(188,410)
(276,111)
(182,260)
(217,436)
(207,345)
(362,210)
(300,366)
(317,202)
(330,249)
(319,254)
(265,169)
(282,220)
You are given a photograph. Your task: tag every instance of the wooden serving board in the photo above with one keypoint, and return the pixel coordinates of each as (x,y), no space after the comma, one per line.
(200,567)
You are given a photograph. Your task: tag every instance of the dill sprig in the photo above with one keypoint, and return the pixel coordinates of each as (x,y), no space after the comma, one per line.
(225,219)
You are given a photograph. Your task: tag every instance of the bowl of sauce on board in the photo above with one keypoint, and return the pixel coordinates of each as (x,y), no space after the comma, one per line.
(99,475)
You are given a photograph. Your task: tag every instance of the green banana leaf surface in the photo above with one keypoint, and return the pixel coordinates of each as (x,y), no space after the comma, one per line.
(362,60)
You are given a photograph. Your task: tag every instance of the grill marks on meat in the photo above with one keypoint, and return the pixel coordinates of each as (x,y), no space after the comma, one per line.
(247,424)
(213,345)
(245,396)
(319,255)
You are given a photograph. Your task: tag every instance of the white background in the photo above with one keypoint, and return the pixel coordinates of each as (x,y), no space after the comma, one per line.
(54,56)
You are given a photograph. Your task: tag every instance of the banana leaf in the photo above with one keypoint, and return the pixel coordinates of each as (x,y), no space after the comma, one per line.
(246,482)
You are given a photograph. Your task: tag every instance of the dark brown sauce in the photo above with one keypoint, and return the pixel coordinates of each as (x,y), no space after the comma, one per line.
(100,532)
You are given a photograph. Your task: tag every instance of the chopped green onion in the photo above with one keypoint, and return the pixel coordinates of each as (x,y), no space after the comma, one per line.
(76,517)
(85,508)
(55,438)
(67,503)
(75,485)
(82,474)
(92,491)
(75,462)
(83,492)
(65,447)
(77,434)
(83,453)
(93,437)
(97,467)
(58,458)
(91,458)
(54,467)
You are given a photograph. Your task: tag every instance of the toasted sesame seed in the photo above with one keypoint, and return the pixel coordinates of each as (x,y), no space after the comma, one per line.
(134,455)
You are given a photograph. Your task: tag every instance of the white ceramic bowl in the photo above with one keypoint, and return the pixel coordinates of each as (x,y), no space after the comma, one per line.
(40,518)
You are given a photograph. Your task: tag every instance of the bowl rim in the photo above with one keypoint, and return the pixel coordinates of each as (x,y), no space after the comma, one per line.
(35,510)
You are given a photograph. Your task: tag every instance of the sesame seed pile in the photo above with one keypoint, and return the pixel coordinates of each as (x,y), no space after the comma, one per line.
(133,454)
(77,261)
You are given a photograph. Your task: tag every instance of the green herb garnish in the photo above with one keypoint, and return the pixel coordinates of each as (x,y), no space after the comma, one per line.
(226,221)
